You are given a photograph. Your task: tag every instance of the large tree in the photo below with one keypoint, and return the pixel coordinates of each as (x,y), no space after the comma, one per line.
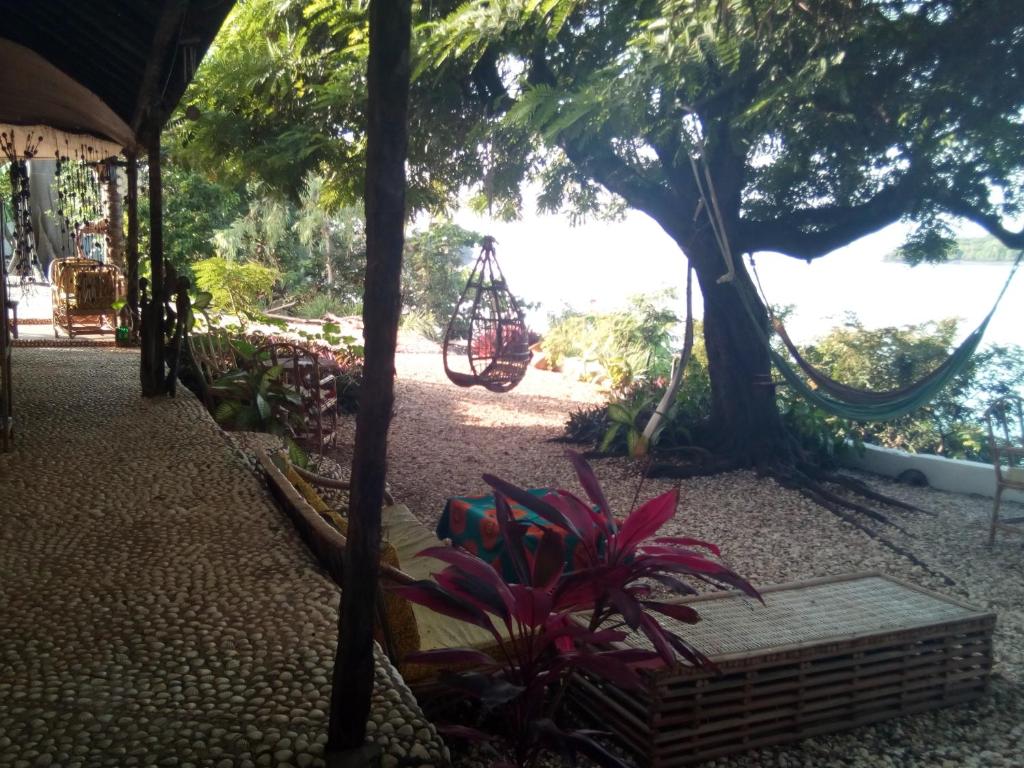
(807,124)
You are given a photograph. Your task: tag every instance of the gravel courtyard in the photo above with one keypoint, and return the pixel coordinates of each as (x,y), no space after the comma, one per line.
(444,437)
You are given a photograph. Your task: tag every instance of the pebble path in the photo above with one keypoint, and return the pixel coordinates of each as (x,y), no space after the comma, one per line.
(156,609)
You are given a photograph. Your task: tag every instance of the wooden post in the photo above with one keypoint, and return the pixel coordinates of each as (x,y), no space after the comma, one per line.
(152,373)
(387,145)
(132,256)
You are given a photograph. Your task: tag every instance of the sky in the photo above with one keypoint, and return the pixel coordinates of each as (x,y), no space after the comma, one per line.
(598,265)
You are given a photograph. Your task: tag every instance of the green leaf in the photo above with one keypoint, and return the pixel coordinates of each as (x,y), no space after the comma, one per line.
(263,407)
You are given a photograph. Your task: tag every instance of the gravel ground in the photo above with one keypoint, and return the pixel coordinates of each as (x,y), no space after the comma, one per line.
(443,438)
(156,608)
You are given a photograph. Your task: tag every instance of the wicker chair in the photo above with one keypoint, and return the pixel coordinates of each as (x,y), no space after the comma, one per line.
(303,371)
(213,356)
(1006,444)
(83,292)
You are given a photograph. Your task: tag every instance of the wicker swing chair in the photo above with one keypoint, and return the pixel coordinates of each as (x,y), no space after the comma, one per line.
(487,331)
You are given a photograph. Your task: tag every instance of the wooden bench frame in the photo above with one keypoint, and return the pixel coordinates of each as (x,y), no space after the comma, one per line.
(781,694)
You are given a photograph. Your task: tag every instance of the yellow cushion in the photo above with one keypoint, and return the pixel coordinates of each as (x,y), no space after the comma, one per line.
(409,536)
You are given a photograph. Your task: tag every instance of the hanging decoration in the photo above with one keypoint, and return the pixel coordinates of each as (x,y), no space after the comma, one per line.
(80,202)
(487,342)
(24,262)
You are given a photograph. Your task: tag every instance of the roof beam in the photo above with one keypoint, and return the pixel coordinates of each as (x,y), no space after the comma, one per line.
(148,103)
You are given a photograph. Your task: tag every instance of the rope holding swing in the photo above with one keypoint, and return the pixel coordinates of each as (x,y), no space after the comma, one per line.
(486,343)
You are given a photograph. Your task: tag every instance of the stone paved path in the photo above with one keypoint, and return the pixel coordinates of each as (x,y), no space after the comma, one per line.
(155,607)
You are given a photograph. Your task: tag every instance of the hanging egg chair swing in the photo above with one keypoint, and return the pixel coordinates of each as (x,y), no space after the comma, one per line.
(486,343)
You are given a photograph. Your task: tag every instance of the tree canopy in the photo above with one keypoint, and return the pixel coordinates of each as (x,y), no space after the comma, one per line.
(740,126)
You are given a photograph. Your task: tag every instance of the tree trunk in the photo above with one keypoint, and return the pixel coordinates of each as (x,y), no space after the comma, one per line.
(327,257)
(115,217)
(133,242)
(387,145)
(745,424)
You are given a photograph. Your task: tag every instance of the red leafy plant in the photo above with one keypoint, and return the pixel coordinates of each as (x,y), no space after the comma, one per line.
(550,623)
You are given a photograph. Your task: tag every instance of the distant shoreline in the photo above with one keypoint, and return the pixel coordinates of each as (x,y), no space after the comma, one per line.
(893,259)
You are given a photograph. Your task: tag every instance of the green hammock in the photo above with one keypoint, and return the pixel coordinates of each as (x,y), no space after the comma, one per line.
(828,394)
(862,404)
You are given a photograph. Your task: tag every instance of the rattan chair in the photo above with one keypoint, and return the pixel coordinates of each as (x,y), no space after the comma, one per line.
(83,292)
(213,356)
(303,372)
(1006,445)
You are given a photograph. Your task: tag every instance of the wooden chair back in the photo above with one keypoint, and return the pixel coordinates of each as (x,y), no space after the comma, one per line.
(301,370)
(1006,445)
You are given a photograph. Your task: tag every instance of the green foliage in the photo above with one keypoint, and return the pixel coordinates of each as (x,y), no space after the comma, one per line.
(971,249)
(821,435)
(239,288)
(434,272)
(587,424)
(624,348)
(254,397)
(889,358)
(320,304)
(627,417)
(195,208)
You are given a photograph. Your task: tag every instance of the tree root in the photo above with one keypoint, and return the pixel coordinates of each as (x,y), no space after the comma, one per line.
(846,517)
(710,464)
(862,488)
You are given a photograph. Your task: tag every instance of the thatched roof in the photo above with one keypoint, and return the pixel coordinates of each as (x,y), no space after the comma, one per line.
(114,69)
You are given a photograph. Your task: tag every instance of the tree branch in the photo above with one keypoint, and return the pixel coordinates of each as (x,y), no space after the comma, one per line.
(617,176)
(991,223)
(813,232)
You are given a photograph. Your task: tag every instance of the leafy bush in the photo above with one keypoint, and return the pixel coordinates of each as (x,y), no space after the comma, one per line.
(241,288)
(877,359)
(541,643)
(625,348)
(321,304)
(434,273)
(587,424)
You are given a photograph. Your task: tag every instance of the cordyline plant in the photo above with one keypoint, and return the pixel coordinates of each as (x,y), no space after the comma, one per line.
(553,623)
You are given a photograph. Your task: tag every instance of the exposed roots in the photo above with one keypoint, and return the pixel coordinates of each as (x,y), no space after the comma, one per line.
(844,508)
(707,464)
(811,482)
(862,488)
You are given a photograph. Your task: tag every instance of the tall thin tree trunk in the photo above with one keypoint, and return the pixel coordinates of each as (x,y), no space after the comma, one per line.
(387,145)
(327,256)
(115,217)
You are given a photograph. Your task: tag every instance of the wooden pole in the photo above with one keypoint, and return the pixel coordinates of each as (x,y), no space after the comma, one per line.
(386,150)
(153,377)
(132,256)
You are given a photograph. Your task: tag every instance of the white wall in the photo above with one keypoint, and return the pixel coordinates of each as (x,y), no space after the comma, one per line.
(953,475)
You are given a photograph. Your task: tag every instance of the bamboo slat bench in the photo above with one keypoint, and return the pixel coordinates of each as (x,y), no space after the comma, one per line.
(820,656)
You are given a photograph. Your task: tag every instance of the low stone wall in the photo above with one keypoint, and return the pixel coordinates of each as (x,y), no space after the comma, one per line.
(954,475)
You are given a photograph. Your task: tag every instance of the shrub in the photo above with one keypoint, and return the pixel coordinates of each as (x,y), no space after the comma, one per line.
(540,643)
(952,424)
(321,304)
(241,288)
(627,347)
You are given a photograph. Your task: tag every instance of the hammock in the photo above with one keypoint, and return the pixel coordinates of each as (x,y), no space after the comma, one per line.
(488,330)
(835,397)
(866,405)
